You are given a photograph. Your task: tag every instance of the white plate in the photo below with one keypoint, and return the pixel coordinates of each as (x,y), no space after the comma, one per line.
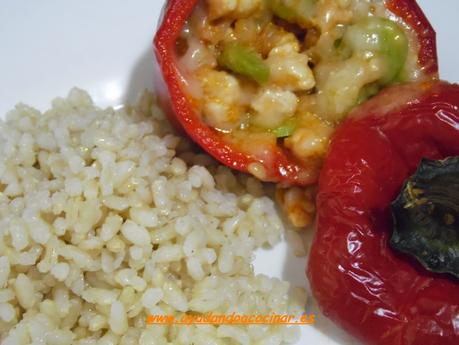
(104,46)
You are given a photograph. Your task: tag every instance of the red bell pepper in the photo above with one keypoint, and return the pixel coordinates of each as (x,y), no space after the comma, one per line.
(281,166)
(375,293)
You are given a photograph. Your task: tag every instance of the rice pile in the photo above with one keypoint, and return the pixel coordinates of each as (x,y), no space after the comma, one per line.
(106,217)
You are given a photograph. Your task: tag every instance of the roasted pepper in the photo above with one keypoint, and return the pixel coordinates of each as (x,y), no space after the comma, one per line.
(382,229)
(274,163)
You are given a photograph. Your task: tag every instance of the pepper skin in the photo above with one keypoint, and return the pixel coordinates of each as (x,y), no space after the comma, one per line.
(381,296)
(279,165)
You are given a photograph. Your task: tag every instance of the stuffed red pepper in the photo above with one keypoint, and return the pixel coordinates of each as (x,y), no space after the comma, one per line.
(261,84)
(384,263)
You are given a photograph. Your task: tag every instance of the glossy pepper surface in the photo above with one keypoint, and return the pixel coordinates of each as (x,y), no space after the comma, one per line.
(281,165)
(381,296)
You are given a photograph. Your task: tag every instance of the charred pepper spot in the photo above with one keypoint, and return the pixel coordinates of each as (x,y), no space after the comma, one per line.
(425,214)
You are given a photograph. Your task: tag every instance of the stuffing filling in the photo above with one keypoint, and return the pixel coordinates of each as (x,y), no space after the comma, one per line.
(286,72)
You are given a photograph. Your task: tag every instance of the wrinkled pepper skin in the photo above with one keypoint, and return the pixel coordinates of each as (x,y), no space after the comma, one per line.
(381,296)
(281,166)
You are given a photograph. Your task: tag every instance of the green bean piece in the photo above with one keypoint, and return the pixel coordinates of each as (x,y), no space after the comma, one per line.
(341,50)
(383,37)
(293,11)
(286,129)
(282,11)
(368,91)
(243,60)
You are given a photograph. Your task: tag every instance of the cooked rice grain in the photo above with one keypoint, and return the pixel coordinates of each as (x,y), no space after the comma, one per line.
(106,217)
